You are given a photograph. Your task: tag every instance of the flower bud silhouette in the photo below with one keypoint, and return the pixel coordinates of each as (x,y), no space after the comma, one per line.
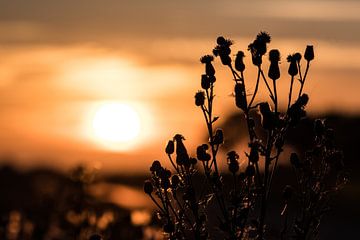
(293,69)
(205,82)
(170,147)
(181,152)
(274,71)
(309,53)
(239,61)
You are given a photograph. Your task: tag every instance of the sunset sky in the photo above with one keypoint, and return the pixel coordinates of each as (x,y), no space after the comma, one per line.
(62,60)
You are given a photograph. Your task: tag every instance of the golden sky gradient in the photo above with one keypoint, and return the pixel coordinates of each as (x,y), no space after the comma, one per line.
(60,59)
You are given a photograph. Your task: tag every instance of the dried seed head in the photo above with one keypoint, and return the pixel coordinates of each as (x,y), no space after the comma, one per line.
(263,37)
(206,59)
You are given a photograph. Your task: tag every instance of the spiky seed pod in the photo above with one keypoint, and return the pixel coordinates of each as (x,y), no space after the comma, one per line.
(170,147)
(199,98)
(240,96)
(263,37)
(239,61)
(309,53)
(206,59)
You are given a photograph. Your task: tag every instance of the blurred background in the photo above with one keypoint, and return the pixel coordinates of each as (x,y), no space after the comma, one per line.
(90,92)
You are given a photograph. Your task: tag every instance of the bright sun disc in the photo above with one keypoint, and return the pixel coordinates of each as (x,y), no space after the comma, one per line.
(116,125)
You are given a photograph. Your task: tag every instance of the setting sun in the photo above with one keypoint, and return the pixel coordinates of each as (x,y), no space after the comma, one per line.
(116,125)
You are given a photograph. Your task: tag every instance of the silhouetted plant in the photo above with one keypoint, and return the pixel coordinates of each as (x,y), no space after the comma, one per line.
(186,207)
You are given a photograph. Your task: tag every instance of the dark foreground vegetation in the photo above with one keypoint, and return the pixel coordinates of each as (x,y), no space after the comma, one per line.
(196,200)
(37,197)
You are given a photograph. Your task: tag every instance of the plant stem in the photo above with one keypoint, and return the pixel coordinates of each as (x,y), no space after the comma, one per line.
(256,88)
(303,80)
(290,93)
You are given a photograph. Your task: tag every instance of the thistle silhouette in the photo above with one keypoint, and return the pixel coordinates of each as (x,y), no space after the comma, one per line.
(187,208)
